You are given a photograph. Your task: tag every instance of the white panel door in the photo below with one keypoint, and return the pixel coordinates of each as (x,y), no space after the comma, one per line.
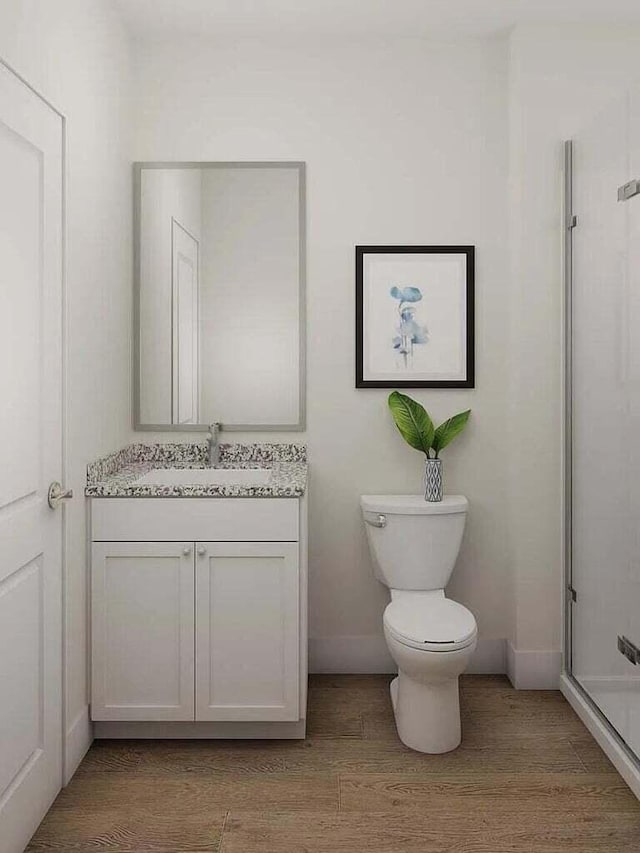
(247,634)
(142,631)
(30,459)
(185,336)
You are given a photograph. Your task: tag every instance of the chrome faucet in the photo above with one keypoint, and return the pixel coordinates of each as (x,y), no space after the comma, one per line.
(213,444)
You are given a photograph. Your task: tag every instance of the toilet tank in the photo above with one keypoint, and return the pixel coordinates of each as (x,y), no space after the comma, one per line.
(414,543)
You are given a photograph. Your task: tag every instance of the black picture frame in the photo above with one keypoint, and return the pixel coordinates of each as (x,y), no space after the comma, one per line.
(469,379)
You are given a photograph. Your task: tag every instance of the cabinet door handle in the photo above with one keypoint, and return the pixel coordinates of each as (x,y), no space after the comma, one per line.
(186,551)
(201,550)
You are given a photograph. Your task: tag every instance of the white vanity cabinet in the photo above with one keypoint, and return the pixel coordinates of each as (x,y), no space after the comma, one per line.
(247,631)
(142,631)
(204,633)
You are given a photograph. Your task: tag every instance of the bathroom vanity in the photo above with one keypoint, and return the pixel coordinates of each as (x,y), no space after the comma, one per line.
(199,558)
(199,592)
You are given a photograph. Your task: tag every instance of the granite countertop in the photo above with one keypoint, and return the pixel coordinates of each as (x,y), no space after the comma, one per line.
(116,475)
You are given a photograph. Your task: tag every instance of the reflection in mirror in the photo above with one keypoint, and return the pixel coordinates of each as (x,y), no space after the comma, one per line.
(220,295)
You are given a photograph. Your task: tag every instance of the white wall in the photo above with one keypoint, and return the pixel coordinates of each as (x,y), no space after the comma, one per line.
(76,53)
(559,78)
(165,194)
(405,142)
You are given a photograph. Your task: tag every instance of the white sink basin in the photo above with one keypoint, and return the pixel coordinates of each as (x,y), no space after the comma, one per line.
(205,477)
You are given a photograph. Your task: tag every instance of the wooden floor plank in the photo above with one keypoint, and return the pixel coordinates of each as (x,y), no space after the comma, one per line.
(506,793)
(187,793)
(528,778)
(94,830)
(537,711)
(334,713)
(522,754)
(444,832)
(591,754)
(185,756)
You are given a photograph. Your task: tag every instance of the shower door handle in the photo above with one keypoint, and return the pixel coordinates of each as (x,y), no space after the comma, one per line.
(628,190)
(629,650)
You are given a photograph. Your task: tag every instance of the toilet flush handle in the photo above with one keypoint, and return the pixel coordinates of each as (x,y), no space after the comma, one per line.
(380,521)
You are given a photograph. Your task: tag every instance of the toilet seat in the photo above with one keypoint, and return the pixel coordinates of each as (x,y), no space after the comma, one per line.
(434,625)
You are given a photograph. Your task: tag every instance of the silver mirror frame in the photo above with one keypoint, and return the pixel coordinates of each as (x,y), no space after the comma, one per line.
(300,166)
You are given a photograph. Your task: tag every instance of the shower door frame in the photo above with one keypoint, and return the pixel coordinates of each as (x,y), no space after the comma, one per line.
(569,222)
(623,758)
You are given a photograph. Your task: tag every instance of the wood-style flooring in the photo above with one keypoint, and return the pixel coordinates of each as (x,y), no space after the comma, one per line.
(528,778)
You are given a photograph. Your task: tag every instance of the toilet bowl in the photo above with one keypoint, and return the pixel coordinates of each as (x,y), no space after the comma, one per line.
(431,638)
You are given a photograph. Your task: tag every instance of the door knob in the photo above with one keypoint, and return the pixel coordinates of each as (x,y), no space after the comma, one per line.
(57,494)
(186,551)
(201,550)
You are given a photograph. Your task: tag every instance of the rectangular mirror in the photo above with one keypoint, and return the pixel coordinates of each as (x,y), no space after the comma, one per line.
(219,296)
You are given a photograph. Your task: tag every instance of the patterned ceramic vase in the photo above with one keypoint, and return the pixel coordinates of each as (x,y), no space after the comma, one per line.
(433,481)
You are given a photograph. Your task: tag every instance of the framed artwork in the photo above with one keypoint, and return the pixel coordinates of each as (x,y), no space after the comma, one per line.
(415,316)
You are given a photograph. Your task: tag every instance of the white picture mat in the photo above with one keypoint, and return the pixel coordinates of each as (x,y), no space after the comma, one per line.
(441,279)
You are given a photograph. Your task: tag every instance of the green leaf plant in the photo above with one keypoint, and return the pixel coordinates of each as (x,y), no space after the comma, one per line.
(417,429)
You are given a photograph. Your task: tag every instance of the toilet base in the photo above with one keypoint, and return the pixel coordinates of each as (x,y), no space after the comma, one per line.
(427,715)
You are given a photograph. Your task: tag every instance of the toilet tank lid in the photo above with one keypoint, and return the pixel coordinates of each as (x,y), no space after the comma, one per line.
(413,504)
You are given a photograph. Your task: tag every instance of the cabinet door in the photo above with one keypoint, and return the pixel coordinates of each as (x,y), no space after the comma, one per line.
(142,631)
(247,631)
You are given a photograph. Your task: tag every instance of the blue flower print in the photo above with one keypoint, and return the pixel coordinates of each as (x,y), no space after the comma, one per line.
(408,332)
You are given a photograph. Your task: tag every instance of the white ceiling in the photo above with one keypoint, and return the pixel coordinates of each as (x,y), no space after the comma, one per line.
(362,18)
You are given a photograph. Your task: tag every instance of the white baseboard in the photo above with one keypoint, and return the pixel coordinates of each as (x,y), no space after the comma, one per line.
(533,669)
(357,654)
(369,654)
(78,739)
(616,753)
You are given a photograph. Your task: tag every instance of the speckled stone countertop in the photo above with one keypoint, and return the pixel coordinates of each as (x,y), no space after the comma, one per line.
(115,476)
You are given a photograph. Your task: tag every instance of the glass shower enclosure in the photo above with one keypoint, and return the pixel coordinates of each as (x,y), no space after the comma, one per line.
(602,418)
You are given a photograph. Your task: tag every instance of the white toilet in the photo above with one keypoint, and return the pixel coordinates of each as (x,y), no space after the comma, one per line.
(414,545)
